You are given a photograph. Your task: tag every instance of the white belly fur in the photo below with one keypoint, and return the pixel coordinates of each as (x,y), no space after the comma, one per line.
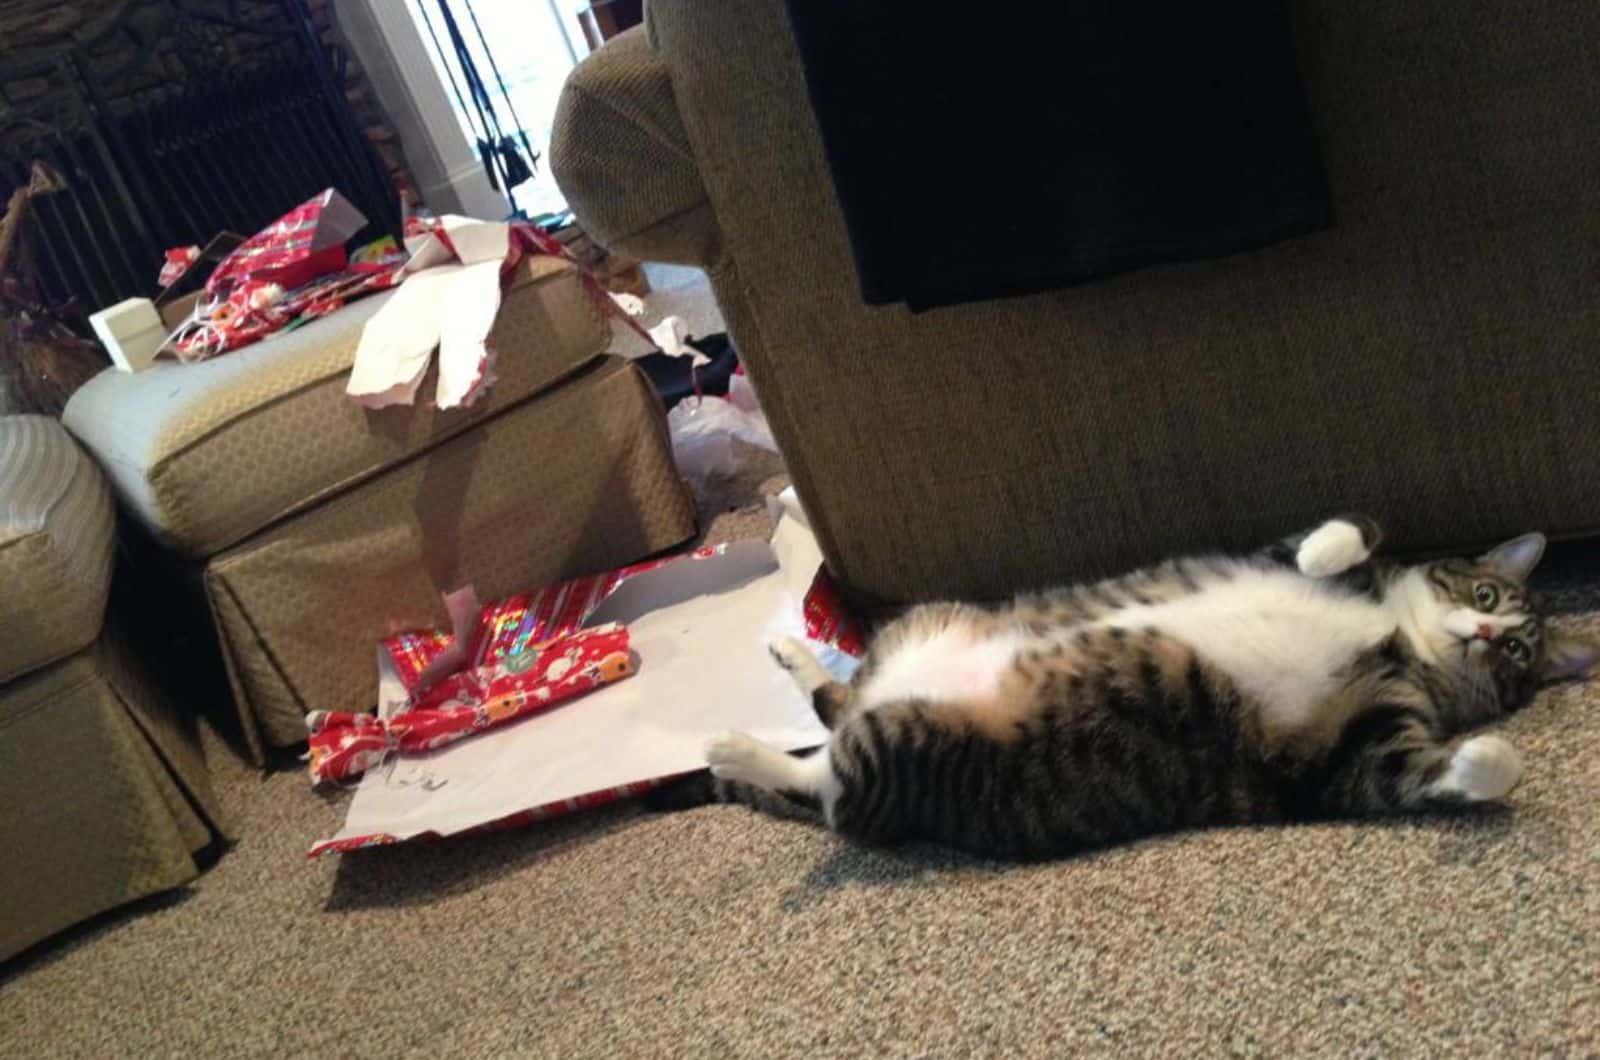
(1279,637)
(954,665)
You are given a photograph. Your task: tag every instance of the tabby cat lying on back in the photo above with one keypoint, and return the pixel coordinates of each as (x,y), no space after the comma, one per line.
(1307,681)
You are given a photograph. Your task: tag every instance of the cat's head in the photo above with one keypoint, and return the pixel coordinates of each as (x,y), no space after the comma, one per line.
(1485,622)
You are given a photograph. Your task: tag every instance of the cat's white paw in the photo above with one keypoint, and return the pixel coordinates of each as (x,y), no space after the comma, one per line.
(789,653)
(795,657)
(1483,769)
(1332,548)
(735,756)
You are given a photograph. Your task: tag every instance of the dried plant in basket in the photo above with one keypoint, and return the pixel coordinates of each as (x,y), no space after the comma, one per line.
(42,360)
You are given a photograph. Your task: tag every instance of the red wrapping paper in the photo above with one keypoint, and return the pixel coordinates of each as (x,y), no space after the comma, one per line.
(535,678)
(291,271)
(505,626)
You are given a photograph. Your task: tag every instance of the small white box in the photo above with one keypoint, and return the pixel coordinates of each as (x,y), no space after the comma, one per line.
(131,332)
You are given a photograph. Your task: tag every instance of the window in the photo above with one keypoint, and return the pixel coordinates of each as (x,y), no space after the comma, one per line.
(535,44)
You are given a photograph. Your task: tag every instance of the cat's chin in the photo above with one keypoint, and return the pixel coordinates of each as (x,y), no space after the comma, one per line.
(1464,653)
(1438,647)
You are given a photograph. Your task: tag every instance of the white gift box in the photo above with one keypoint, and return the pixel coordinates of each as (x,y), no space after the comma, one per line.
(131,331)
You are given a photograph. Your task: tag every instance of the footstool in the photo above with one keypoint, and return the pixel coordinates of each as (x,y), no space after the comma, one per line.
(322,527)
(104,784)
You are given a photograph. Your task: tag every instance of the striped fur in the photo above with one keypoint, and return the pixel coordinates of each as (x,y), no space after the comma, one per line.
(1306,681)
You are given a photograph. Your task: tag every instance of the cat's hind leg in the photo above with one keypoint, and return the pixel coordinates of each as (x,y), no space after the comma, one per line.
(829,698)
(1328,550)
(1334,547)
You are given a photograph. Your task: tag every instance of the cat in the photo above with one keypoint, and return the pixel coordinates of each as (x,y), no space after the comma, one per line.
(1307,681)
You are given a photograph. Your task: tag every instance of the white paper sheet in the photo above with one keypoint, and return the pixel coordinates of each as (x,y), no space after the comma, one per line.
(398,341)
(699,629)
(477,241)
(465,365)
(671,336)
(447,301)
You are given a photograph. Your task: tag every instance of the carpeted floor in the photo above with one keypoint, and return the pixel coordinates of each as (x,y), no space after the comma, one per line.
(624,934)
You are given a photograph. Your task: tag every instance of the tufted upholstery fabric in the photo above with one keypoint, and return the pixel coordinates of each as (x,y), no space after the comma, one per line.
(105,786)
(105,790)
(56,527)
(577,479)
(1429,359)
(207,454)
(620,155)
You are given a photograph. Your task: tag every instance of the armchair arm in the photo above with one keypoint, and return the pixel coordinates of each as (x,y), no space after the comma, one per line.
(619,153)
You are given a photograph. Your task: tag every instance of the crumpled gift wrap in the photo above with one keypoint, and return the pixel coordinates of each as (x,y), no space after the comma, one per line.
(506,626)
(447,302)
(485,666)
(501,627)
(827,621)
(291,271)
(175,263)
(532,679)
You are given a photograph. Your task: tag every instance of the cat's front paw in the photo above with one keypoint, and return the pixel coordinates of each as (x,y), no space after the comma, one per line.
(734,756)
(1482,769)
(1332,548)
(795,657)
(789,653)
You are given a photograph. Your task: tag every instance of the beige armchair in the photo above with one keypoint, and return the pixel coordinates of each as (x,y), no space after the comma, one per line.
(1431,358)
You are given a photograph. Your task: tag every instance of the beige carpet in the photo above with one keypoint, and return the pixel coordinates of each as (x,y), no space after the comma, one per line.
(717,932)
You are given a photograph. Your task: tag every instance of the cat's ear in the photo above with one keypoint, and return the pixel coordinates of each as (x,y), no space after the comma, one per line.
(1566,657)
(1516,558)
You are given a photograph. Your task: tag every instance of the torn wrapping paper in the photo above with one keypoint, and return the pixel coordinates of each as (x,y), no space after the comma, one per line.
(697,630)
(466,620)
(413,660)
(303,244)
(293,270)
(176,263)
(828,622)
(535,678)
(501,662)
(448,301)
(397,344)
(256,310)
(671,337)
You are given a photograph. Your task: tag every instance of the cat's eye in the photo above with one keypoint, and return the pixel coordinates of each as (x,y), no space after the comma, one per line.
(1517,650)
(1487,596)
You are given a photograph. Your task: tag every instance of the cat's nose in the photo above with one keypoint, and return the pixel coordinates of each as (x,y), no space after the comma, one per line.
(1485,631)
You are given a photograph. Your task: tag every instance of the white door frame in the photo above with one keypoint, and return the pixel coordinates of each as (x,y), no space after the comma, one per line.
(450,177)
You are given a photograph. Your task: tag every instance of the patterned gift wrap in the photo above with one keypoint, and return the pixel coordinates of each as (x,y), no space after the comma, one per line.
(534,637)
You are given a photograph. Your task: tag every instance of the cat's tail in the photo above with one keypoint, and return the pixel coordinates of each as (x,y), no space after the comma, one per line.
(703,789)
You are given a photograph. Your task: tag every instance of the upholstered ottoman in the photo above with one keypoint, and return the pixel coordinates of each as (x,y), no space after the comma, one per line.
(104,787)
(322,526)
